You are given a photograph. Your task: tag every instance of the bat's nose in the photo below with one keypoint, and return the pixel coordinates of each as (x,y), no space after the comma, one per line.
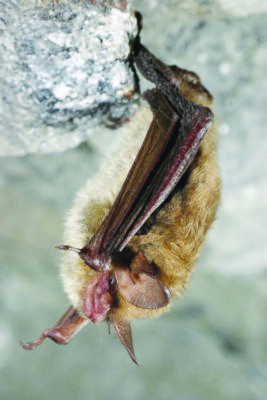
(99,296)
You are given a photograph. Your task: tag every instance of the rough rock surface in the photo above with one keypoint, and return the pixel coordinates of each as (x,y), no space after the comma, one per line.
(63,72)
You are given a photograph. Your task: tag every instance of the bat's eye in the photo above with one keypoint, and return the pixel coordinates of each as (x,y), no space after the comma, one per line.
(111,280)
(112,284)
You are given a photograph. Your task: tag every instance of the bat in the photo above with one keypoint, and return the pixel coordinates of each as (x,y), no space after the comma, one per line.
(136,229)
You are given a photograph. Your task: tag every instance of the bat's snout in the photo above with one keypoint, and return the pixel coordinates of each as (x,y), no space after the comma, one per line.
(99,296)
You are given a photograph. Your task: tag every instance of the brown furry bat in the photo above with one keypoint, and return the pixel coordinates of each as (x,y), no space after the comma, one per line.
(136,229)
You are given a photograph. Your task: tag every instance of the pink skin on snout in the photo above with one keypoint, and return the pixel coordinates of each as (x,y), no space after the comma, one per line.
(99,296)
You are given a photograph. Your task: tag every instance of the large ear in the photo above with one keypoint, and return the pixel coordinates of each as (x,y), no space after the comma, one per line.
(140,285)
(124,332)
(64,330)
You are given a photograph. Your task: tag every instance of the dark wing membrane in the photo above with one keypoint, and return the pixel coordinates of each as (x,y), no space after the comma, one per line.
(186,138)
(127,203)
(171,143)
(176,158)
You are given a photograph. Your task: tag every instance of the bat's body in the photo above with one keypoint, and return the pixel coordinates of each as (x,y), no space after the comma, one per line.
(178,230)
(139,233)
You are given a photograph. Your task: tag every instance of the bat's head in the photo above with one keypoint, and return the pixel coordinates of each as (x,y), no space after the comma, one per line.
(128,279)
(118,294)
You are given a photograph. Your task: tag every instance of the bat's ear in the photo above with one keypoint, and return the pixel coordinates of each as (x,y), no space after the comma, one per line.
(124,332)
(140,285)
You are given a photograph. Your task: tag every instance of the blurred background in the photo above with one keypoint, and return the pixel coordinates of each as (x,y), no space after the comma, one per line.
(213,342)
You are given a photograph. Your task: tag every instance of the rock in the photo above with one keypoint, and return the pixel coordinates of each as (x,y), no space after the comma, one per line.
(63,72)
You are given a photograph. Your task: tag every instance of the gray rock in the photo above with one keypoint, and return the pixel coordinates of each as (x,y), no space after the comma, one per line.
(63,72)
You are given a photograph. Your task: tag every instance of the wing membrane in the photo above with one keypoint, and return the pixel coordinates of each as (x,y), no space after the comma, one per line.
(170,145)
(128,202)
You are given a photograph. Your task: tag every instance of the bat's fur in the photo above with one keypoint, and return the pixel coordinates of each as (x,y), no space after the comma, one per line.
(176,236)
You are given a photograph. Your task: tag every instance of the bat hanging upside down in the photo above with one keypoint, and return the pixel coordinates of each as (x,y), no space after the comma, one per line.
(136,229)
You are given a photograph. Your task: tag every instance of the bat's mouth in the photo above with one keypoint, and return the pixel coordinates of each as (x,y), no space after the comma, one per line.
(99,296)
